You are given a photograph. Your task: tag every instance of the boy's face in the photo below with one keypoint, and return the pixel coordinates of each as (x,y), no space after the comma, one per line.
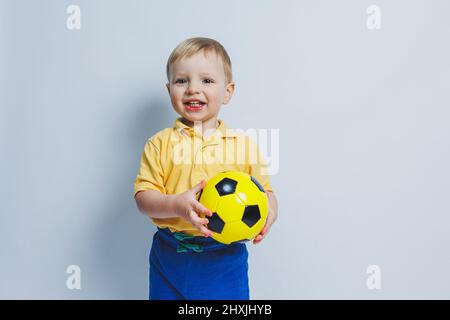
(198,87)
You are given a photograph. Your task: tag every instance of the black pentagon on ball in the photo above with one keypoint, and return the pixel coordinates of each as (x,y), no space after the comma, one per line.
(226,186)
(257,184)
(251,215)
(215,223)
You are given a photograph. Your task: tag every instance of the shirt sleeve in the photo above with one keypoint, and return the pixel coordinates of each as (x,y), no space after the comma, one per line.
(150,175)
(257,165)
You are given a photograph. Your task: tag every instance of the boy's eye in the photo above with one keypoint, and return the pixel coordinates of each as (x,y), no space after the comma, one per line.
(181,81)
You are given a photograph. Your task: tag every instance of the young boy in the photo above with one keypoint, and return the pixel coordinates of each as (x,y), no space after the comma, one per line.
(185,263)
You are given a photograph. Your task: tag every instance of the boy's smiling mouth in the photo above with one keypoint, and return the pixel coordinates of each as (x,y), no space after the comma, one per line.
(194,104)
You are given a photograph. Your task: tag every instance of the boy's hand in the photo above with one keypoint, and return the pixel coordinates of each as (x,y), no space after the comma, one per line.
(272,215)
(187,207)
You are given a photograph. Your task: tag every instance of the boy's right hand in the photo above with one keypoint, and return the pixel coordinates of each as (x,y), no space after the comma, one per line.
(187,207)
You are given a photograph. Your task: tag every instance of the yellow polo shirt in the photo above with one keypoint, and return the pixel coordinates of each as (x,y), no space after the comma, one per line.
(175,159)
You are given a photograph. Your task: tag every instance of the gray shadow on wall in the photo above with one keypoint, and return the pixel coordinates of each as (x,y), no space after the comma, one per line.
(125,236)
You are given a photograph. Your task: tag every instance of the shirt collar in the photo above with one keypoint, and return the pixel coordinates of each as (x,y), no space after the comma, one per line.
(222,131)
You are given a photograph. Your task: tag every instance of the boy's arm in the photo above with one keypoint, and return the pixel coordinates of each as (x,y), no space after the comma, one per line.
(157,205)
(272,216)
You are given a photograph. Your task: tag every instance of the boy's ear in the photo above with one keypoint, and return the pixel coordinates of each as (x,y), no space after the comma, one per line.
(229,93)
(168,87)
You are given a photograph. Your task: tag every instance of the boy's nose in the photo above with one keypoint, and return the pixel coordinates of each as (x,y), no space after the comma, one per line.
(192,90)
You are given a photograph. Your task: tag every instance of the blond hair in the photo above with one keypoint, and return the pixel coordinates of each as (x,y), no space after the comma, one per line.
(191,46)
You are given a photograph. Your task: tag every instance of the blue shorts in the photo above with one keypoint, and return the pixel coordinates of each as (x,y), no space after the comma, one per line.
(197,268)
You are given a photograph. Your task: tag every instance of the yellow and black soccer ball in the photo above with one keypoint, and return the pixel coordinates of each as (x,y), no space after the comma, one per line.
(239,205)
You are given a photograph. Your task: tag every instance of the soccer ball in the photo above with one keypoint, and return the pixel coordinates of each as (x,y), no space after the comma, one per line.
(239,206)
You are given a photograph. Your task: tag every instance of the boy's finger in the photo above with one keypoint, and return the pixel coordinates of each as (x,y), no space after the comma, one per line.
(262,234)
(265,229)
(267,226)
(205,231)
(199,186)
(193,216)
(258,239)
(196,220)
(202,209)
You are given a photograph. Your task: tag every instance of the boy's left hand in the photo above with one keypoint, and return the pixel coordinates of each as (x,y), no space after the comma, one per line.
(271,217)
